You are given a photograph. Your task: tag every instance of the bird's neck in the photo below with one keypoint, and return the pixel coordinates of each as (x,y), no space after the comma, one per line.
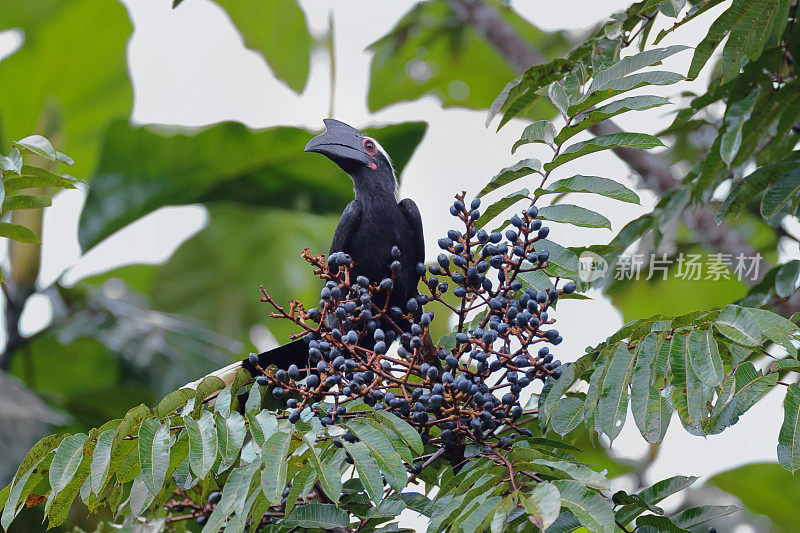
(374,187)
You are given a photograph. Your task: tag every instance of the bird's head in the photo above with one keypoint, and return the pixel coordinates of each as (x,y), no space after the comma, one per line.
(358,155)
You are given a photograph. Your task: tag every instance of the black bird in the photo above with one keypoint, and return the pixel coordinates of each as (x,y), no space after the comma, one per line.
(370,226)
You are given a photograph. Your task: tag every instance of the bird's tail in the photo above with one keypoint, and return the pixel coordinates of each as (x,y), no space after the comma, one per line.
(295,352)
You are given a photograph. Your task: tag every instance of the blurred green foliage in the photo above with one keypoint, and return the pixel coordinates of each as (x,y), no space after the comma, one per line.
(764,488)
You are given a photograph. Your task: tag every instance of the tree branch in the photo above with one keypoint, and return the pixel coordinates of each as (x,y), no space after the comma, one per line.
(15,299)
(519,54)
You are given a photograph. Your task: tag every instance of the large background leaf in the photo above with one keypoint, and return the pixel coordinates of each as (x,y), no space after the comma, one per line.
(277,29)
(80,81)
(141,170)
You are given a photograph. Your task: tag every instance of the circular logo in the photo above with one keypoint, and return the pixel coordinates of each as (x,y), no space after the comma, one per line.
(592,266)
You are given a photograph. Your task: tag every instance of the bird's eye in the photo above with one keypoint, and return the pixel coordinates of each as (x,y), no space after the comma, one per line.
(369,146)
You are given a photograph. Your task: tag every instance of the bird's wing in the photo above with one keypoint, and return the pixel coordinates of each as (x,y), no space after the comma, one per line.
(411,212)
(347,224)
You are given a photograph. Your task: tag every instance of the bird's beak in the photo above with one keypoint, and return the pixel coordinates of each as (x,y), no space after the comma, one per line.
(339,142)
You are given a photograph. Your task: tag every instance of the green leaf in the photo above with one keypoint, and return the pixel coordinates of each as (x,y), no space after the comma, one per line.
(445,509)
(66,460)
(591,414)
(704,357)
(330,479)
(776,328)
(752,185)
(543,505)
(12,162)
(789,436)
(368,471)
(786,278)
(537,279)
(781,193)
(575,215)
(60,499)
(298,483)
(603,142)
(501,205)
(26,201)
(788,363)
(317,515)
(552,394)
(651,410)
(262,425)
(697,515)
(627,83)
(18,233)
(406,432)
(172,401)
(231,432)
(101,458)
(567,415)
(388,509)
(739,325)
(397,443)
(604,79)
(234,496)
(202,443)
(222,403)
(559,97)
(750,25)
(516,171)
(736,114)
(613,403)
(278,30)
(562,262)
(382,451)
(417,502)
(687,395)
(153,443)
(64,158)
(22,484)
(622,498)
(208,386)
(273,476)
(518,95)
(32,177)
(591,184)
(477,518)
(662,523)
(751,386)
(593,511)
(578,472)
(38,145)
(654,494)
(589,118)
(140,496)
(253,403)
(541,131)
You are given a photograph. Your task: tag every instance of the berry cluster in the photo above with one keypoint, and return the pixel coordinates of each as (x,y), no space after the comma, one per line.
(465,390)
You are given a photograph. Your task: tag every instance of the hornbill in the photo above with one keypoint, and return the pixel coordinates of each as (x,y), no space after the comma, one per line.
(370,226)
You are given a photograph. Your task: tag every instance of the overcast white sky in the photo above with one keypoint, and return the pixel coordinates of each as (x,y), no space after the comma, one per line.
(189,67)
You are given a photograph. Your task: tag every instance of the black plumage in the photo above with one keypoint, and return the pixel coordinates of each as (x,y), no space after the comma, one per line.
(370,226)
